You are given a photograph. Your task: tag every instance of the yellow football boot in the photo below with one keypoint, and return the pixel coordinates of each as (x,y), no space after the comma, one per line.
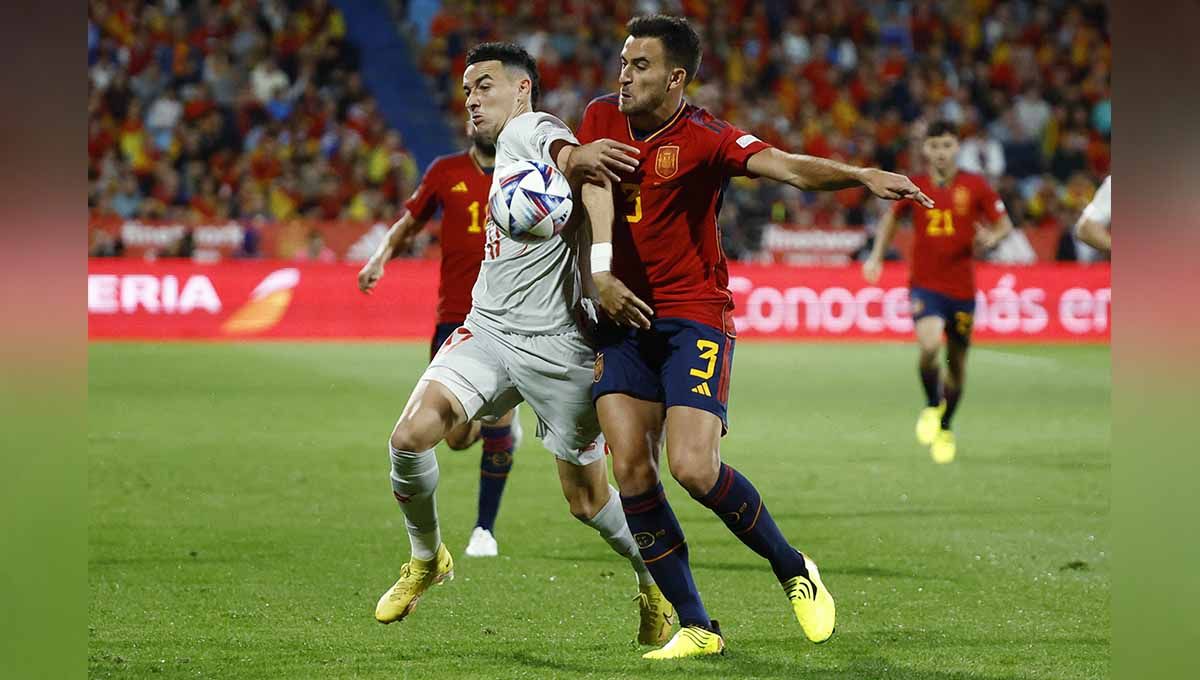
(812,603)
(929,423)
(690,641)
(415,578)
(656,614)
(943,448)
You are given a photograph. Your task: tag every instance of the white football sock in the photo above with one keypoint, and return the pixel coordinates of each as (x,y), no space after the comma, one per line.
(414,481)
(610,522)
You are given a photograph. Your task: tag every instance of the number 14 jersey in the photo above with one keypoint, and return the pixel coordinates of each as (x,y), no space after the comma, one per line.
(456,184)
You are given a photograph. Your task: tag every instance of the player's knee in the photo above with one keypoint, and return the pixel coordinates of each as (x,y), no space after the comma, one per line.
(405,439)
(461,438)
(634,474)
(695,469)
(455,443)
(955,380)
(928,354)
(696,482)
(582,509)
(956,371)
(582,502)
(418,431)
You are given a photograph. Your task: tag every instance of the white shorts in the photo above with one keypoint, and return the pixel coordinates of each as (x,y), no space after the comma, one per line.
(490,372)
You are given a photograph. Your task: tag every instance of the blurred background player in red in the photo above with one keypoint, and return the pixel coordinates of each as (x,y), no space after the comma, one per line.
(942,277)
(458,184)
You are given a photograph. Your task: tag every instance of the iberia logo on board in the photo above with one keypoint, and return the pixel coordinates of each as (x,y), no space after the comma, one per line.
(136,295)
(267,305)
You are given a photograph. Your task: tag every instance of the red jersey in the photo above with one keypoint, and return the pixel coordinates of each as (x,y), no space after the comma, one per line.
(943,236)
(457,185)
(666,245)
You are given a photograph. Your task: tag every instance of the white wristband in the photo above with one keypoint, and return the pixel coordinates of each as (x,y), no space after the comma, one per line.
(601,257)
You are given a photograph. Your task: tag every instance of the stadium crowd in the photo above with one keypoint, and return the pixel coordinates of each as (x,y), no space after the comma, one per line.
(255,110)
(235,109)
(1028,82)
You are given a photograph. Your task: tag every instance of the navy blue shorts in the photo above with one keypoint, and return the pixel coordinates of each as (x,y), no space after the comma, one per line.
(959,315)
(440,333)
(677,363)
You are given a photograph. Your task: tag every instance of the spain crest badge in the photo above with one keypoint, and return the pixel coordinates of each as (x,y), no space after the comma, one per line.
(666,161)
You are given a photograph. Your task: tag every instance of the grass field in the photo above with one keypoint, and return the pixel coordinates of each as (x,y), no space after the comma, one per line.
(242,524)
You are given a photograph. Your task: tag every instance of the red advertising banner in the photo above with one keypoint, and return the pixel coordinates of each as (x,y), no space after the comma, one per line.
(242,299)
(1034,303)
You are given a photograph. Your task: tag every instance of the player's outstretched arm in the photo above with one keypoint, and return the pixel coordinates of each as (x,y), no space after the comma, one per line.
(886,230)
(811,173)
(397,236)
(617,301)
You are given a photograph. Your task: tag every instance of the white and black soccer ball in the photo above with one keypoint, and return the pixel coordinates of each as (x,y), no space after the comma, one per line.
(532,201)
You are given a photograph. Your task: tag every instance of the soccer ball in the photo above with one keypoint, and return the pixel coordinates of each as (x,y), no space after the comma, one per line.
(532,201)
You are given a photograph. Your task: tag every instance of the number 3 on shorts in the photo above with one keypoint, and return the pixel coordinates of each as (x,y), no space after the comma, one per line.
(708,352)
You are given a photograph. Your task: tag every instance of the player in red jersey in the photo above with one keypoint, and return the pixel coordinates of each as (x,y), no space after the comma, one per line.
(458,184)
(660,272)
(942,278)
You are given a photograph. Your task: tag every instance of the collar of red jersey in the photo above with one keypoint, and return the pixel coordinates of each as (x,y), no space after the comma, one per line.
(663,128)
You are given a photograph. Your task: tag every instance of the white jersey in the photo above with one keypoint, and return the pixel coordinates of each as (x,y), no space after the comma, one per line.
(1100,209)
(527,288)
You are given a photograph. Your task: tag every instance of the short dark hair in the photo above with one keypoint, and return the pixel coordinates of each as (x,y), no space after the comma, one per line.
(941,127)
(509,54)
(679,39)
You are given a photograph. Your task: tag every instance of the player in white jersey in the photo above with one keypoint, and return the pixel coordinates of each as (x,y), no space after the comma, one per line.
(1093,225)
(520,342)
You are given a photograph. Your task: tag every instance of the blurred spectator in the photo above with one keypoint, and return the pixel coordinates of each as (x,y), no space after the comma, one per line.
(1022,154)
(315,249)
(127,202)
(980,153)
(186,245)
(221,77)
(162,117)
(251,238)
(1032,111)
(150,83)
(104,244)
(267,79)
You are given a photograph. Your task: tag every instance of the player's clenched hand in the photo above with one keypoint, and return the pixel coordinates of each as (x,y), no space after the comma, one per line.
(871,269)
(987,239)
(620,304)
(369,275)
(604,157)
(893,186)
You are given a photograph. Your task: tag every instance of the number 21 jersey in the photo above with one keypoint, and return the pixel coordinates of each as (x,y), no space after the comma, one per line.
(944,236)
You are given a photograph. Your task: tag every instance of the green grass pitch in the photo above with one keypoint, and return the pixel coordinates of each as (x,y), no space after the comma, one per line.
(242,524)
